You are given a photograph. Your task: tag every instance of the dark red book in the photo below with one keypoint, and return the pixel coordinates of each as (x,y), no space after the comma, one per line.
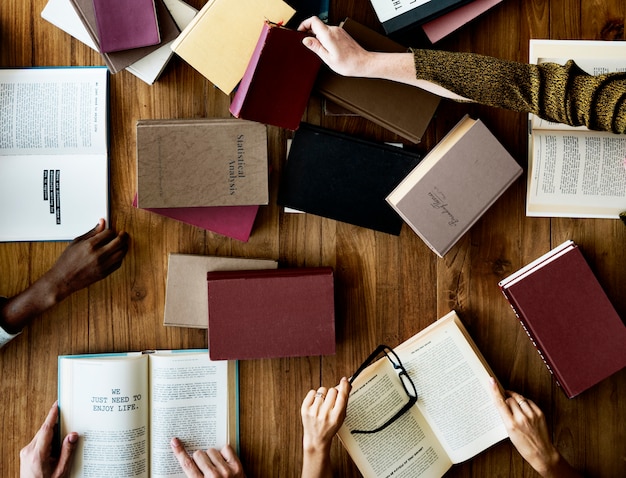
(569,318)
(271,313)
(276,86)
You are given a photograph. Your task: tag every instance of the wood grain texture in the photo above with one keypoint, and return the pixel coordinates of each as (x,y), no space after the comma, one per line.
(387,287)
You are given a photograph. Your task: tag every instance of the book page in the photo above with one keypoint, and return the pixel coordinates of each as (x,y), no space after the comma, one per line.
(105,400)
(579,175)
(452,384)
(407,448)
(191,400)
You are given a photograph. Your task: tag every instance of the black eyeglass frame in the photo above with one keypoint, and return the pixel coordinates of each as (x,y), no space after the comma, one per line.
(397,365)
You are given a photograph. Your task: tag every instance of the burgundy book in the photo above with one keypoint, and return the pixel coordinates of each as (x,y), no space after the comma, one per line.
(271,313)
(569,318)
(276,86)
(124,25)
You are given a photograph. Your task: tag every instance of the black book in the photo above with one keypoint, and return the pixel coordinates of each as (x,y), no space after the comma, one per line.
(341,177)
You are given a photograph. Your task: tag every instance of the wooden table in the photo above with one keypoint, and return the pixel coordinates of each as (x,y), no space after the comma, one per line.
(388,287)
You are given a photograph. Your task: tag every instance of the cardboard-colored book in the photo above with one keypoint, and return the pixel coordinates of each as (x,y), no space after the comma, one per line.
(276,86)
(402,109)
(568,317)
(447,23)
(186,299)
(124,25)
(201,162)
(453,420)
(345,178)
(118,60)
(220,40)
(271,313)
(458,180)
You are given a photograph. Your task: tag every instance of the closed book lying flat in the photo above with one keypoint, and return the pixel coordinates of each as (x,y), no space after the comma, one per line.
(271,313)
(124,25)
(341,177)
(447,23)
(458,180)
(276,86)
(568,317)
(402,109)
(201,162)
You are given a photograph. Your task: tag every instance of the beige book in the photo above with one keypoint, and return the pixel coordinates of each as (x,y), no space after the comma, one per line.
(186,293)
(201,162)
(220,40)
(453,420)
(574,171)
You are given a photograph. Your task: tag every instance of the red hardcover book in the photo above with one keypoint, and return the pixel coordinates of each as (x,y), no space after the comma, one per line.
(276,86)
(271,313)
(569,318)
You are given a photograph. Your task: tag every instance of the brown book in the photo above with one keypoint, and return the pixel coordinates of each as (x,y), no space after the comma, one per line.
(400,108)
(119,60)
(568,317)
(201,162)
(452,187)
(186,301)
(271,313)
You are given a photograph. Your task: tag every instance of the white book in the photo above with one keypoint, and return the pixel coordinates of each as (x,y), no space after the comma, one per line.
(574,171)
(54,165)
(62,14)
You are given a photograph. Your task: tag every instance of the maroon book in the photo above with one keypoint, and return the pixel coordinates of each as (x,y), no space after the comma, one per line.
(271,313)
(276,86)
(569,318)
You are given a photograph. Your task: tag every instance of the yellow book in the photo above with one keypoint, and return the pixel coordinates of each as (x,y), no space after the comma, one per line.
(220,40)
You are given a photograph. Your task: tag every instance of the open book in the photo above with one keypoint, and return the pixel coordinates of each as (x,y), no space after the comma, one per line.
(54,165)
(126,407)
(573,171)
(454,418)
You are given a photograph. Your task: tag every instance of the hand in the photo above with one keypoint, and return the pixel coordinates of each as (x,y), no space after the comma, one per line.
(528,431)
(210,464)
(88,259)
(335,47)
(35,458)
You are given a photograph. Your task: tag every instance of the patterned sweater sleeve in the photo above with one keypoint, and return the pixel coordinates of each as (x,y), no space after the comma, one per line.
(560,93)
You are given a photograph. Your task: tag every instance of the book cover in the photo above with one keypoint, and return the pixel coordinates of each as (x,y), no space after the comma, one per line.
(277,83)
(447,23)
(186,296)
(453,420)
(220,40)
(341,177)
(126,407)
(271,313)
(118,60)
(124,25)
(54,172)
(568,317)
(458,180)
(574,171)
(308,8)
(201,162)
(402,109)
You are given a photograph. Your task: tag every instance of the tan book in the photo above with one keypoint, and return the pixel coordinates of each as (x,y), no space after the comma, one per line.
(201,162)
(221,38)
(186,293)
(453,186)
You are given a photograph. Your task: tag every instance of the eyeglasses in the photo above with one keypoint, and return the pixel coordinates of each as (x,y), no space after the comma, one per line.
(407,383)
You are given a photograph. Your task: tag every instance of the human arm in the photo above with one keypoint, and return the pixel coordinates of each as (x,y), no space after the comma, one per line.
(528,431)
(212,463)
(323,412)
(36,459)
(87,259)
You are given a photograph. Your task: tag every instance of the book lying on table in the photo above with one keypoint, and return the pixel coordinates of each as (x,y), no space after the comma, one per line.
(442,26)
(126,407)
(568,317)
(453,186)
(186,295)
(54,163)
(123,25)
(574,171)
(453,420)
